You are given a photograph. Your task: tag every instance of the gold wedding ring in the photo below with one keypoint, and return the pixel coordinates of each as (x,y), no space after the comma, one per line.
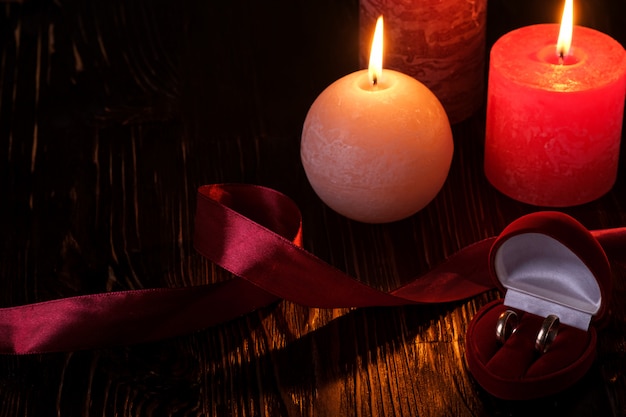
(547,333)
(506,325)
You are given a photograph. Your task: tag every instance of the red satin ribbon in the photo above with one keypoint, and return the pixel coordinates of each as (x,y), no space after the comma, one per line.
(255,233)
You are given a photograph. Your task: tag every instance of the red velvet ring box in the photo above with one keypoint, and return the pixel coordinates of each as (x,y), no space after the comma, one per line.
(545,263)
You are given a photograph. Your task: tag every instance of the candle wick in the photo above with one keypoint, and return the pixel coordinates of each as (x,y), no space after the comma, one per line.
(561,57)
(374,80)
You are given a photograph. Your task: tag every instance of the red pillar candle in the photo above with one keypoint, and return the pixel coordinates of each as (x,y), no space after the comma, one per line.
(441,43)
(554,123)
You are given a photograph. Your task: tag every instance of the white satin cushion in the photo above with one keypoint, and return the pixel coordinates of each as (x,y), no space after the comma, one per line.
(542,276)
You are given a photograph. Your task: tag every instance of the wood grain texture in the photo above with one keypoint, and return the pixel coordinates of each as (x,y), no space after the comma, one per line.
(113,113)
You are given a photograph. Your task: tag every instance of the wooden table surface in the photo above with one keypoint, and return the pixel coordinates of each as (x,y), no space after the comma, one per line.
(112,113)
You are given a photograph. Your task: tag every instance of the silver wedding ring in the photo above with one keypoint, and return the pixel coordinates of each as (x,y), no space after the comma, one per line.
(547,333)
(506,325)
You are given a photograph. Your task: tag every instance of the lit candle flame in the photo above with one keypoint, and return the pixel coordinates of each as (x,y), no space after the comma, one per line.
(564,43)
(375,69)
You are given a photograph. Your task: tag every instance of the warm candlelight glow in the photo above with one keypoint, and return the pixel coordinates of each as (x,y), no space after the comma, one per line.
(375,69)
(565,33)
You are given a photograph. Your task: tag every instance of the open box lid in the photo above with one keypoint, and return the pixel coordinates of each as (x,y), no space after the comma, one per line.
(548,263)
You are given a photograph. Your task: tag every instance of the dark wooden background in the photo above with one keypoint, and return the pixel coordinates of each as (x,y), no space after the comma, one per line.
(112,113)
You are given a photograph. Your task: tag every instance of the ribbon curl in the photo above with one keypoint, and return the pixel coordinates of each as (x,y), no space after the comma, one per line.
(255,233)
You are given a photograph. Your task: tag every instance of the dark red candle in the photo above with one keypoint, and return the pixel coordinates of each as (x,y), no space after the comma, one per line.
(554,122)
(441,43)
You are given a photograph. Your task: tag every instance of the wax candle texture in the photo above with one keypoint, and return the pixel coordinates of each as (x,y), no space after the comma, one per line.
(441,43)
(554,128)
(379,153)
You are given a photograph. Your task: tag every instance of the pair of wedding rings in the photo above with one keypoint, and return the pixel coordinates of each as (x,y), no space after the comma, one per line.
(507,325)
